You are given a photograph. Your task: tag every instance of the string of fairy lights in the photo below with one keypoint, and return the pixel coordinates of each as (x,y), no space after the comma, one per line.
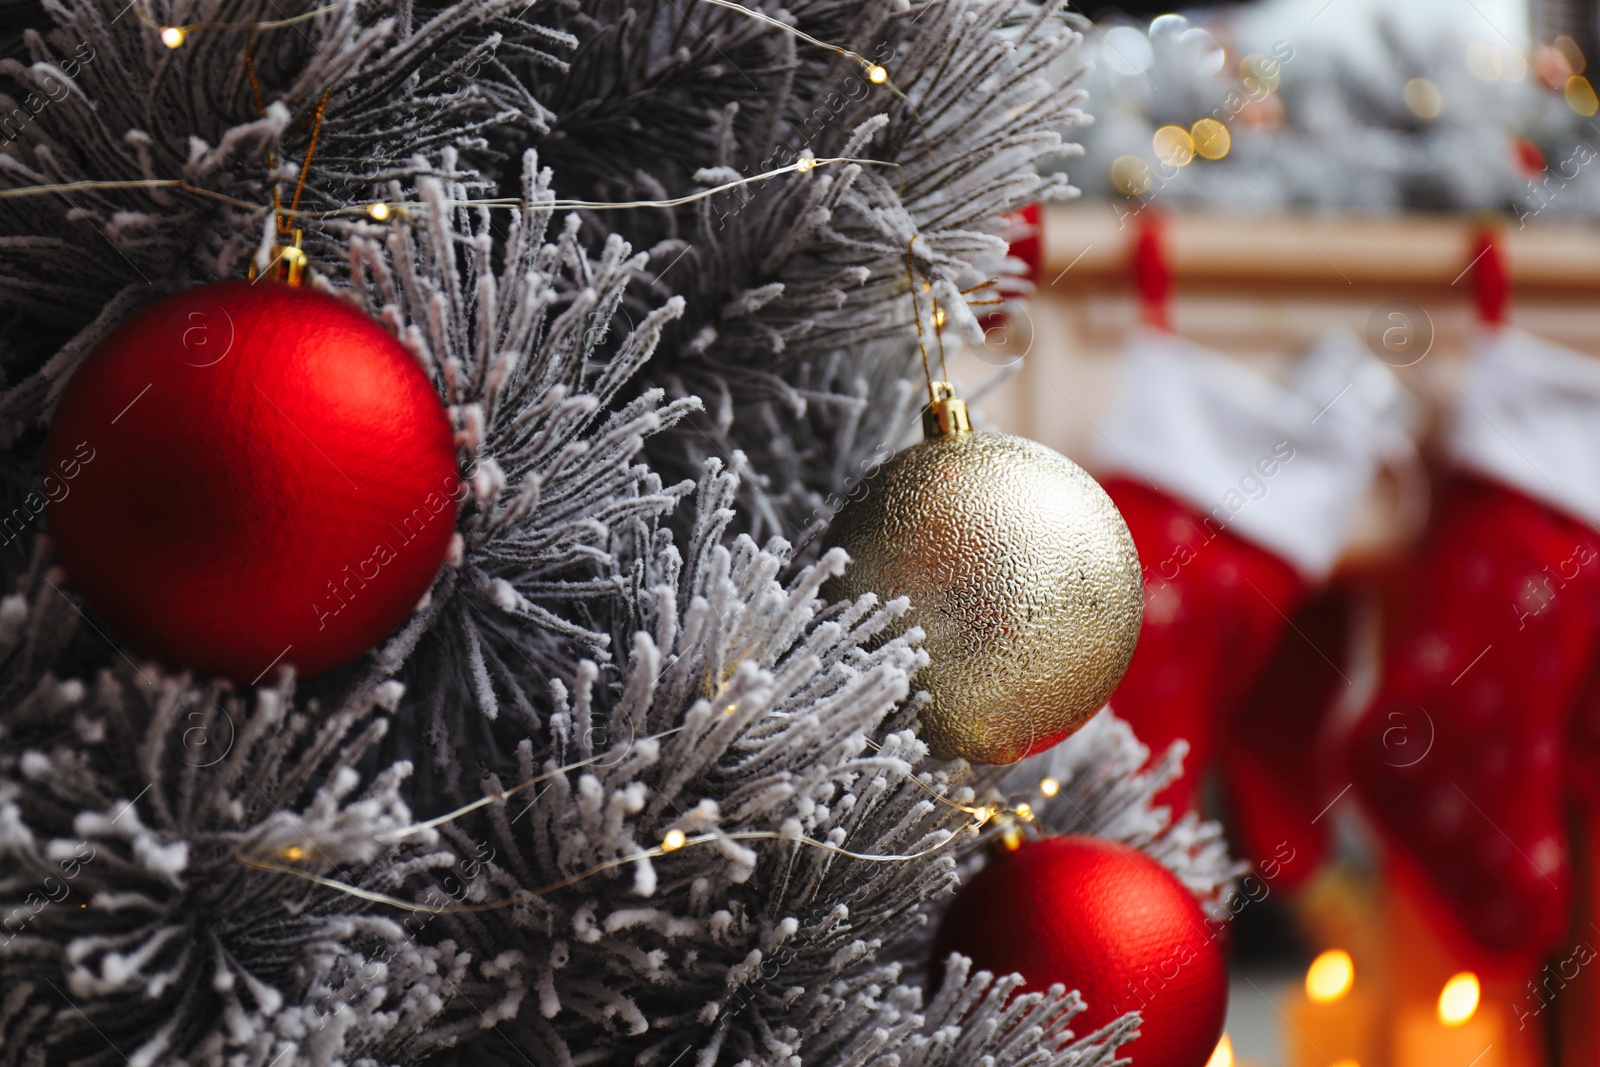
(382,210)
(293,859)
(300,860)
(174,37)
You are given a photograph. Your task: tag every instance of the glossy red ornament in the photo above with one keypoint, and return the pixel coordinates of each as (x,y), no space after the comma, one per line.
(259,474)
(1109,921)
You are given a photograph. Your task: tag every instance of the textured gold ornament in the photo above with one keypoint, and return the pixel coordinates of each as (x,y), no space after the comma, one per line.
(1020,571)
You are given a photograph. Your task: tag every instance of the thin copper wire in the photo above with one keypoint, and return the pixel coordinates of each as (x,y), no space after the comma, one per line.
(857,57)
(803,166)
(761,16)
(271,24)
(139,183)
(255,85)
(501,202)
(983,303)
(983,814)
(981,817)
(261,113)
(505,794)
(916,314)
(376,897)
(311,150)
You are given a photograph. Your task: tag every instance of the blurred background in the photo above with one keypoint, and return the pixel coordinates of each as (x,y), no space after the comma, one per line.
(1324,322)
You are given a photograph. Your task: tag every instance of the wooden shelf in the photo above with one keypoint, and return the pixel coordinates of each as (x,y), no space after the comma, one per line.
(1300,252)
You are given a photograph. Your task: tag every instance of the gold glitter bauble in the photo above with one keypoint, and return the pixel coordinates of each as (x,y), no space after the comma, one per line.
(1022,575)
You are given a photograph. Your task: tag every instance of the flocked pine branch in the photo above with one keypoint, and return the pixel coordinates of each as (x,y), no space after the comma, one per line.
(561,521)
(131,933)
(92,94)
(797,307)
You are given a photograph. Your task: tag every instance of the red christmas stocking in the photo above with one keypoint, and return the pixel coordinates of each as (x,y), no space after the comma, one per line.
(1274,761)
(1214,609)
(1024,230)
(1459,757)
(1239,494)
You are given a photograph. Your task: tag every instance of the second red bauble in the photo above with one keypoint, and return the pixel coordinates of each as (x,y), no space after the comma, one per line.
(259,475)
(1109,921)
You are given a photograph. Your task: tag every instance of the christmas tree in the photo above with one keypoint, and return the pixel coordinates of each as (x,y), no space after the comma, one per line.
(623,787)
(1451,117)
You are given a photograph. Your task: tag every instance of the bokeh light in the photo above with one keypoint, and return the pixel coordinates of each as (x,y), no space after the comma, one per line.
(1580,96)
(1423,98)
(1483,60)
(1173,146)
(1260,73)
(1571,53)
(1131,175)
(1211,138)
(1330,976)
(1527,157)
(1513,64)
(1553,66)
(1203,50)
(1458,1000)
(1127,50)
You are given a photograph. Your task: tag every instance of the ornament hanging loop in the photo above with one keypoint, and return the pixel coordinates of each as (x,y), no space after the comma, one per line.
(1012,835)
(946,414)
(288,263)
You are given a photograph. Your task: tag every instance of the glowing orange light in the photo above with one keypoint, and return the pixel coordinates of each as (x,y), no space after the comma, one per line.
(1330,976)
(1458,1000)
(1222,1056)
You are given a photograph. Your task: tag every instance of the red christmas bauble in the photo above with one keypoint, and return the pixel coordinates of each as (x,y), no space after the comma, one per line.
(252,475)
(1106,920)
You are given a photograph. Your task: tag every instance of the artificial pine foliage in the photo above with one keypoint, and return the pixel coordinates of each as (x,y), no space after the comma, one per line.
(653,408)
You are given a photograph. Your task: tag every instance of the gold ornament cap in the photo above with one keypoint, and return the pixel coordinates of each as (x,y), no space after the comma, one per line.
(946,413)
(288,263)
